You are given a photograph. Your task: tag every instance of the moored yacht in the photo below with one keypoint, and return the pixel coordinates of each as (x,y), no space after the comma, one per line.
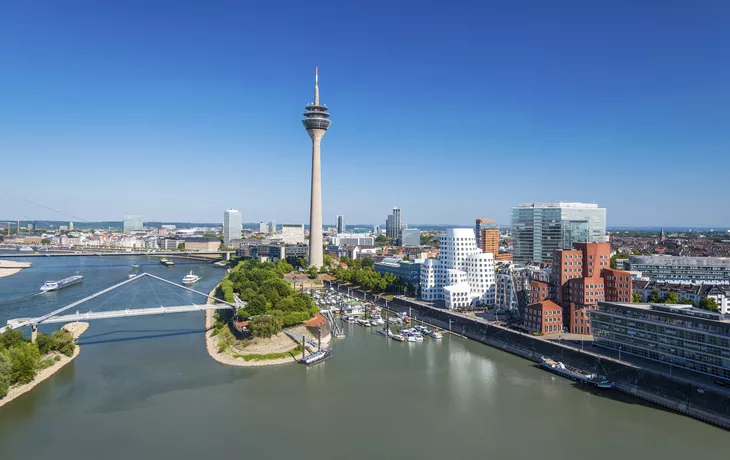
(190,278)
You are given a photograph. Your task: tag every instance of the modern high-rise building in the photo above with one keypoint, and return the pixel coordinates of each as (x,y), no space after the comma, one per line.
(231,226)
(70,225)
(393,225)
(316,122)
(462,275)
(272,226)
(410,237)
(341,224)
(132,224)
(538,229)
(263,228)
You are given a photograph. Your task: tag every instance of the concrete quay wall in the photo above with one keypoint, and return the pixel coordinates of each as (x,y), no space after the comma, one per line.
(696,401)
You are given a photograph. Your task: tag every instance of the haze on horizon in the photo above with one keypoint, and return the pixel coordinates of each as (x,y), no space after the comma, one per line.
(179,110)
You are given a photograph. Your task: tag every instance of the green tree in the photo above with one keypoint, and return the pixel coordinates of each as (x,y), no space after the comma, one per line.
(313,272)
(367,262)
(710,304)
(11,338)
(45,241)
(654,297)
(636,297)
(257,305)
(24,360)
(266,326)
(327,260)
(686,302)
(671,297)
(5,372)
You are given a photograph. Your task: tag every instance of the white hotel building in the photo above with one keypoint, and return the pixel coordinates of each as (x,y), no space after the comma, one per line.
(462,275)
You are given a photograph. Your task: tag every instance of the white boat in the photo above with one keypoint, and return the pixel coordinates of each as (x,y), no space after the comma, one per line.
(396,337)
(350,319)
(60,284)
(418,336)
(190,278)
(409,338)
(25,249)
(384,332)
(377,320)
(363,322)
(134,266)
(434,334)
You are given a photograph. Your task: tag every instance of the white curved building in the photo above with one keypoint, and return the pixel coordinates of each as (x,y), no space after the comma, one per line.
(462,275)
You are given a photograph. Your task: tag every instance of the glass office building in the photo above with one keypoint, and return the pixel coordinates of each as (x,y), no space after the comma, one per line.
(538,229)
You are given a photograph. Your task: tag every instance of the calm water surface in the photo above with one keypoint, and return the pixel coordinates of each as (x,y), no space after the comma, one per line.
(145,387)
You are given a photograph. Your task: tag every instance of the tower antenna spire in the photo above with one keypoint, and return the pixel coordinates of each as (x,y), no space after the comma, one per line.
(316,86)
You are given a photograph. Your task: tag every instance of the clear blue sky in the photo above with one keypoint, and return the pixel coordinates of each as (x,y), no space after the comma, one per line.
(176,110)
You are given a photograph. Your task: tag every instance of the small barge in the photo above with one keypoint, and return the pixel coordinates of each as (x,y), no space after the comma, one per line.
(574,373)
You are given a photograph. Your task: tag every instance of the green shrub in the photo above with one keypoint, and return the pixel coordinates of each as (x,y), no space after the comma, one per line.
(24,360)
(5,372)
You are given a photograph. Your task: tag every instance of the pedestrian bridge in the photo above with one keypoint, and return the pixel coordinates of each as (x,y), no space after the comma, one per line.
(60,315)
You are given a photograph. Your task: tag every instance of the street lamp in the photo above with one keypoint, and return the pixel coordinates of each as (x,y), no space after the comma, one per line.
(619,353)
(671,350)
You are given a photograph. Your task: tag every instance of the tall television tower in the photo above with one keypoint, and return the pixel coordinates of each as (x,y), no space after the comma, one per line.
(316,122)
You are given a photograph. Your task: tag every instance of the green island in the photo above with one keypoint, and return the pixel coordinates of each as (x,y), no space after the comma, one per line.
(21,360)
(254,332)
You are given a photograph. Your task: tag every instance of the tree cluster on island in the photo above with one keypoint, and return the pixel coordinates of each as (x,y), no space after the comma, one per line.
(20,360)
(271,302)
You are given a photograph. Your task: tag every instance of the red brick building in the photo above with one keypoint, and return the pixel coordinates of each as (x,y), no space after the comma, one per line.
(539,291)
(582,277)
(545,317)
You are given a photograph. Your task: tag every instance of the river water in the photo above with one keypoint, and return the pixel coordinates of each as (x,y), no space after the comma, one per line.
(145,387)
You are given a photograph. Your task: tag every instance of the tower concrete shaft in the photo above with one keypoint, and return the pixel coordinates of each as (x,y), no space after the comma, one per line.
(315,205)
(316,122)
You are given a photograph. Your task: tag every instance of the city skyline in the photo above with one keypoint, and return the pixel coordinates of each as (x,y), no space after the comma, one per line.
(639,107)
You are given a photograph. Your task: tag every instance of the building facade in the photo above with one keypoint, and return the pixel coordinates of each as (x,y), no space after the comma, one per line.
(352,239)
(231,226)
(407,271)
(341,228)
(292,233)
(462,276)
(678,335)
(132,224)
(410,237)
(681,269)
(538,229)
(202,244)
(544,317)
(582,277)
(393,225)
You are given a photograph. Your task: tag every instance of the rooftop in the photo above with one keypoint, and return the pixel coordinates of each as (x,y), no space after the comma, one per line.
(681,261)
(558,204)
(677,309)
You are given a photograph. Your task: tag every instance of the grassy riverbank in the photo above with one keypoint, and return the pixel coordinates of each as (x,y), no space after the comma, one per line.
(48,365)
